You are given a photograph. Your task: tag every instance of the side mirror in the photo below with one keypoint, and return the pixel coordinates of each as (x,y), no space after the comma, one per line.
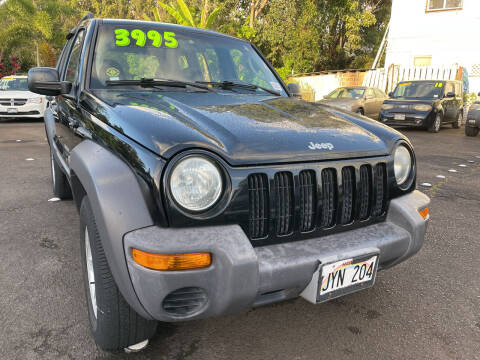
(390,94)
(45,81)
(450,94)
(294,90)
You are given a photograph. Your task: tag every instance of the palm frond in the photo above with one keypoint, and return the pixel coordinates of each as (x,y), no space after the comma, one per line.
(212,17)
(186,12)
(173,13)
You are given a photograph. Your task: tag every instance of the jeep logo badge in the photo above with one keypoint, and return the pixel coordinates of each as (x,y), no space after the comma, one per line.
(321,146)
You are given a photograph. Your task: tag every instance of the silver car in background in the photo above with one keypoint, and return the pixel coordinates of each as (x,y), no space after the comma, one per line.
(359,99)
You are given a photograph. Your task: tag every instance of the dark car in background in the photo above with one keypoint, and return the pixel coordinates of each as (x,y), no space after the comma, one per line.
(425,104)
(472,126)
(359,99)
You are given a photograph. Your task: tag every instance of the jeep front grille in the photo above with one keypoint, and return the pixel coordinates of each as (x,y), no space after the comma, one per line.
(320,199)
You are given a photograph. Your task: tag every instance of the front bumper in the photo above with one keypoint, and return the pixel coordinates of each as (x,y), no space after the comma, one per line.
(25,111)
(242,277)
(411,119)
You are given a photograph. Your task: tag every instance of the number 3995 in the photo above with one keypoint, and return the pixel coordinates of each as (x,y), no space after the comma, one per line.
(123,37)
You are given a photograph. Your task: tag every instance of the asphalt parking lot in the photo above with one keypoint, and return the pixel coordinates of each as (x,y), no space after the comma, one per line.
(425,308)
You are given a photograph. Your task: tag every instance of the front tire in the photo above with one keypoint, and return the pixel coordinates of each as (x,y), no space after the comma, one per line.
(60,185)
(114,324)
(360,111)
(458,122)
(471,131)
(436,124)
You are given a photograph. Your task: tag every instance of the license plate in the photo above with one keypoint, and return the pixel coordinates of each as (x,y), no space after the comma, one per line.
(399,116)
(346,276)
(12,111)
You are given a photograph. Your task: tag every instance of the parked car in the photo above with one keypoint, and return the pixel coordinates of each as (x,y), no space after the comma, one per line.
(17,102)
(472,125)
(426,104)
(216,190)
(362,100)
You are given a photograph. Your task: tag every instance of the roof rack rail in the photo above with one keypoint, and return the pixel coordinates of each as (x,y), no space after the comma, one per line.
(71,33)
(74,30)
(88,16)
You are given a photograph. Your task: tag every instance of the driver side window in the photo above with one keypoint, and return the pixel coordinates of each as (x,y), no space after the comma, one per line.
(73,65)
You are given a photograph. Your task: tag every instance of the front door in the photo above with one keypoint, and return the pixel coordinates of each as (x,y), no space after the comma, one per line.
(449,103)
(67,104)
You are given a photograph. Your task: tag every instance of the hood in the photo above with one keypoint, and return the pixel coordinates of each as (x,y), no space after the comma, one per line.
(243,129)
(18,95)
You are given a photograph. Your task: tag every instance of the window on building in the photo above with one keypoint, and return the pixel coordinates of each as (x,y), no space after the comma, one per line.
(422,61)
(436,5)
(475,71)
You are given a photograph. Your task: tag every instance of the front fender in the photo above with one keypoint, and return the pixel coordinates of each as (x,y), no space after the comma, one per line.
(118,205)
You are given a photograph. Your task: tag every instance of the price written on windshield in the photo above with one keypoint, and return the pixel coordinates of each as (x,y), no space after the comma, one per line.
(124,37)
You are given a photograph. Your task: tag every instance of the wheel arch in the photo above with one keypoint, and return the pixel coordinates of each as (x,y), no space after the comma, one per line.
(118,205)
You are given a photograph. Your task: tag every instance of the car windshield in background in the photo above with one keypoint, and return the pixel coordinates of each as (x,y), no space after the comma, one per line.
(419,90)
(152,52)
(13,84)
(346,93)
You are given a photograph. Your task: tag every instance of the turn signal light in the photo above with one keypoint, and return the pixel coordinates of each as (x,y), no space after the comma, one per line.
(424,213)
(171,262)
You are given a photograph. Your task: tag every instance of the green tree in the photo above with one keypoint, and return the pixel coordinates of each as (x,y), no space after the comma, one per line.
(29,28)
(193,17)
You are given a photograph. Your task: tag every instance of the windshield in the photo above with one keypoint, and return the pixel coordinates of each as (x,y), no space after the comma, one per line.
(346,93)
(419,90)
(13,84)
(151,51)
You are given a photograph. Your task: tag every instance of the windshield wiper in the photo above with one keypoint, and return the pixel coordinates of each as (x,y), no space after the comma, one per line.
(150,82)
(231,84)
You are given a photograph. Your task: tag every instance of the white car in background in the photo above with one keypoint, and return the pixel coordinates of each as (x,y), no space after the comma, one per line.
(17,102)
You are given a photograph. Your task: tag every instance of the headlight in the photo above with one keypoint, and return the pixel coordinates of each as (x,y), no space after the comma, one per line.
(402,163)
(387,107)
(422,108)
(36,100)
(195,183)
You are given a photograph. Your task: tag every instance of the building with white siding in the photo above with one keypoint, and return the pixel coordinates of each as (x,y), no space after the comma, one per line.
(435,33)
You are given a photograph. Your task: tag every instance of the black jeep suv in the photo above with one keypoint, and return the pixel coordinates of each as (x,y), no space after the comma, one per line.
(427,104)
(204,187)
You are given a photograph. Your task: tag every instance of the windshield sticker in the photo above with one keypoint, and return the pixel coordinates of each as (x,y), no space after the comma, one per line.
(123,38)
(438,84)
(405,84)
(112,72)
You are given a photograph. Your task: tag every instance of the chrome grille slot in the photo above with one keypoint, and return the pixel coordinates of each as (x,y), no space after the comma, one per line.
(364,192)
(348,191)
(380,194)
(258,203)
(284,203)
(308,202)
(329,196)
